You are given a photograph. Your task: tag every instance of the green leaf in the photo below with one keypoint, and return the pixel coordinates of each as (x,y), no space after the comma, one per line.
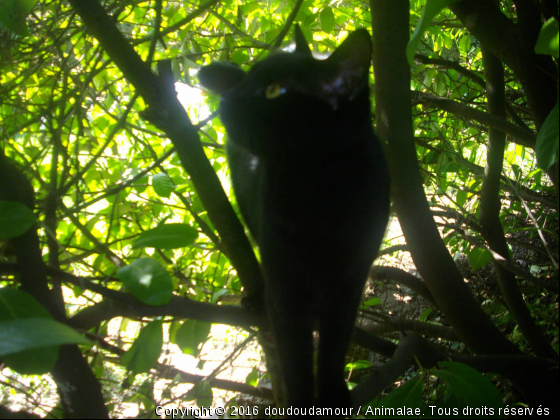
(271,35)
(424,316)
(251,7)
(432,8)
(547,43)
(465,44)
(308,22)
(32,362)
(462,198)
(202,392)
(407,395)
(440,84)
(144,353)
(468,385)
(189,64)
(15,219)
(252,378)
(372,302)
(240,57)
(191,334)
(217,295)
(547,141)
(327,19)
(16,304)
(13,14)
(170,236)
(17,335)
(32,151)
(357,365)
(428,80)
(479,257)
(163,186)
(148,281)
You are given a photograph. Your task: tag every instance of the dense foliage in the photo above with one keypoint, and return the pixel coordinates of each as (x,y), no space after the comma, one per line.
(118,230)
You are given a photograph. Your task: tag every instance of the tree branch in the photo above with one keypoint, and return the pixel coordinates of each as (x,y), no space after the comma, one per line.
(170,372)
(448,64)
(203,7)
(394,124)
(490,207)
(166,112)
(427,329)
(79,390)
(411,346)
(402,277)
(514,45)
(239,32)
(280,37)
(521,136)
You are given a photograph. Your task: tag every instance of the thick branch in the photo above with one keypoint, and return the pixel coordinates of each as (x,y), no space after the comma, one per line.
(524,274)
(394,122)
(427,329)
(411,346)
(178,307)
(490,207)
(166,111)
(373,342)
(78,388)
(402,277)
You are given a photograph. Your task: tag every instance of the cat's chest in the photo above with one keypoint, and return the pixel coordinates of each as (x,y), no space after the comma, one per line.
(315,194)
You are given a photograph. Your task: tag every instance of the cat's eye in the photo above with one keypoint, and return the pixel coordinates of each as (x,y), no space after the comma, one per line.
(274,90)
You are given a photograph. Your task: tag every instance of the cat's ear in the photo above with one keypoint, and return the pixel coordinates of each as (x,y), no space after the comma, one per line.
(302,47)
(348,65)
(220,76)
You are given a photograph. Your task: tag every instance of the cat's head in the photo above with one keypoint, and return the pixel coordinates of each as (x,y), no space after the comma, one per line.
(291,98)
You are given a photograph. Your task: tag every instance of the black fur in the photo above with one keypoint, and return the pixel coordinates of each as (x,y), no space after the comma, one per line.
(312,185)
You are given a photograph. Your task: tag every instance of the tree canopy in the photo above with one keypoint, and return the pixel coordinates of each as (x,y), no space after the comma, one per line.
(121,248)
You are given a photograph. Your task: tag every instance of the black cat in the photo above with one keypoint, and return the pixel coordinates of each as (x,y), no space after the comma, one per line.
(312,185)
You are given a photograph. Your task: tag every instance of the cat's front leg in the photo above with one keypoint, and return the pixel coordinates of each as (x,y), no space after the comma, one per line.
(289,301)
(340,299)
(293,336)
